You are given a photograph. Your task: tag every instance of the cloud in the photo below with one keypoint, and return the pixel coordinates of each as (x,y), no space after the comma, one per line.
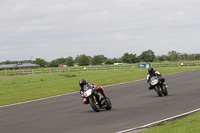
(51,29)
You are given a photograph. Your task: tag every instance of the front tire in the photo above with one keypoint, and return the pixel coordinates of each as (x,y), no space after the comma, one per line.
(93,104)
(109,104)
(158,90)
(165,92)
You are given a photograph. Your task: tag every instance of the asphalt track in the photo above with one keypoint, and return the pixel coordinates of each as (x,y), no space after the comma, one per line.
(133,106)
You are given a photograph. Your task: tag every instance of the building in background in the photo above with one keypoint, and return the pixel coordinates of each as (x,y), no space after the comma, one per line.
(18,66)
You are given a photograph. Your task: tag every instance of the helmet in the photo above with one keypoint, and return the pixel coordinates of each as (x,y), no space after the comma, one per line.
(82,82)
(150,70)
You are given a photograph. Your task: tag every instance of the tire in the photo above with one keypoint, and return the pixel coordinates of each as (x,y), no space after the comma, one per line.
(93,104)
(109,104)
(165,92)
(159,92)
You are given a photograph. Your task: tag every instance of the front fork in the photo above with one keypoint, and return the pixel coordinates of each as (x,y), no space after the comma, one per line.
(96,100)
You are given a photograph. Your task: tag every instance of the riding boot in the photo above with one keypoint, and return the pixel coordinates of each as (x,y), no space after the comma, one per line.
(104,100)
(165,85)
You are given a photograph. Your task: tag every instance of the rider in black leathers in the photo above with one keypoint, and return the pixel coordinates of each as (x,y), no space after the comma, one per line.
(151,73)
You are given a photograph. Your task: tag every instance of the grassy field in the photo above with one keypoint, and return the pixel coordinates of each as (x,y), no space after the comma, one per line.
(14,89)
(190,124)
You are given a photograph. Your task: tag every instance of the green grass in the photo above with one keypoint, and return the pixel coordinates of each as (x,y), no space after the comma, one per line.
(190,124)
(14,89)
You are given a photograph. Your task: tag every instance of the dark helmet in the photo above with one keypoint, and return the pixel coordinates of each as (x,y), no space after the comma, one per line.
(82,82)
(150,70)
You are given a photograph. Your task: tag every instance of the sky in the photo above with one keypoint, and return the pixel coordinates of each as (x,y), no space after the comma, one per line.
(51,29)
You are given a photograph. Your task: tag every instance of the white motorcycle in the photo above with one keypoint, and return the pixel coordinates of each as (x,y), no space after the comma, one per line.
(96,100)
(158,86)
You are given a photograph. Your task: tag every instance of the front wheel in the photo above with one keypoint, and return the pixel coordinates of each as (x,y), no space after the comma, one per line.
(158,90)
(165,92)
(109,104)
(94,104)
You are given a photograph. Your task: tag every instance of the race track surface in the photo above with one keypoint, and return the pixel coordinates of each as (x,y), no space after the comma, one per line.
(133,105)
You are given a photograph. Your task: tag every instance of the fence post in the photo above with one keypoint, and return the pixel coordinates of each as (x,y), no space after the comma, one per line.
(33,71)
(6,74)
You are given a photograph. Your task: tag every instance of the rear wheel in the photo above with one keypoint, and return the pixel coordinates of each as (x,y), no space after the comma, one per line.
(94,104)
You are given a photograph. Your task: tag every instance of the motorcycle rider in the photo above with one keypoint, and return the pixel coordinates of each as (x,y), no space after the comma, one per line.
(84,86)
(151,73)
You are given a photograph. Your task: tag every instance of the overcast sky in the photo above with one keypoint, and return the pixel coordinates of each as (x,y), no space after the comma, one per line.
(51,29)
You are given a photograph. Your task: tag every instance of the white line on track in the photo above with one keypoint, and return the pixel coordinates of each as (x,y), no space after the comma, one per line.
(72,93)
(160,121)
(38,99)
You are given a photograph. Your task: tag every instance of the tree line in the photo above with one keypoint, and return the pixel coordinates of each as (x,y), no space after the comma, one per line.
(84,60)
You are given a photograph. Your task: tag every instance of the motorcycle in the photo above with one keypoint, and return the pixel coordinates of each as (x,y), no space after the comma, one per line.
(96,100)
(158,86)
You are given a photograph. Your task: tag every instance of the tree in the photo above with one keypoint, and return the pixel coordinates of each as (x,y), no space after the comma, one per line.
(163,58)
(83,60)
(40,62)
(109,61)
(69,61)
(90,59)
(98,59)
(184,56)
(76,59)
(54,63)
(103,58)
(118,60)
(133,58)
(173,55)
(197,56)
(129,58)
(61,60)
(125,58)
(147,56)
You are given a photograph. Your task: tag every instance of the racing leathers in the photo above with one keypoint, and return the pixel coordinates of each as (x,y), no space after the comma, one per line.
(98,89)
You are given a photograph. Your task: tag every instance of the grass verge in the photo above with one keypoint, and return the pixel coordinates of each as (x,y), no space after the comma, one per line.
(14,89)
(189,124)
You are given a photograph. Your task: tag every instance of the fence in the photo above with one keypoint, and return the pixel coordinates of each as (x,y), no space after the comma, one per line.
(175,64)
(62,70)
(89,68)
